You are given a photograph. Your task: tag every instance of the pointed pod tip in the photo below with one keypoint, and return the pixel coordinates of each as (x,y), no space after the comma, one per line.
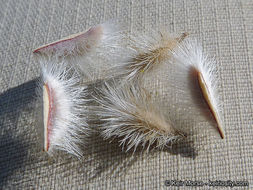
(208,98)
(78,43)
(220,129)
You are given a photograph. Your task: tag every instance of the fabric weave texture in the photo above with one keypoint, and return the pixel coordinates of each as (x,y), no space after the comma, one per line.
(225,29)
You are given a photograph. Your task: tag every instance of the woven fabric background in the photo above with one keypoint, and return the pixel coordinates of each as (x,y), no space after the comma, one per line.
(225,29)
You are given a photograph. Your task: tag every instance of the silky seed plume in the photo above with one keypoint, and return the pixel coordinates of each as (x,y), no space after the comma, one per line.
(148,50)
(188,56)
(127,113)
(64,110)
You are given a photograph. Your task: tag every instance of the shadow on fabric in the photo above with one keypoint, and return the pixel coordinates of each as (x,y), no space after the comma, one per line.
(13,148)
(106,158)
(12,156)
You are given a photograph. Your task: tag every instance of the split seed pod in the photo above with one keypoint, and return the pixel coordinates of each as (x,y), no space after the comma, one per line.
(92,51)
(189,61)
(64,111)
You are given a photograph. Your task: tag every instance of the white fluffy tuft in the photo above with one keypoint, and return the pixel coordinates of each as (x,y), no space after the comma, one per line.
(128,113)
(93,52)
(190,57)
(146,51)
(68,111)
(109,50)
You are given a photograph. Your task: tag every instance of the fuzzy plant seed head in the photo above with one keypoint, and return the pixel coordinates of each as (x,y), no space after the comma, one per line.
(128,113)
(189,58)
(64,108)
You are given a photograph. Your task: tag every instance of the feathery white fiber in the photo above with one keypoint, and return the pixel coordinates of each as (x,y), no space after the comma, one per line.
(92,51)
(128,113)
(146,51)
(189,57)
(109,50)
(64,109)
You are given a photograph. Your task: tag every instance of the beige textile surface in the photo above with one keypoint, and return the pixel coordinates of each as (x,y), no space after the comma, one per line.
(225,29)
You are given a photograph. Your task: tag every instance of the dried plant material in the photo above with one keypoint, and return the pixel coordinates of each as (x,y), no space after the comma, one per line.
(93,51)
(75,44)
(190,59)
(64,110)
(147,50)
(128,113)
